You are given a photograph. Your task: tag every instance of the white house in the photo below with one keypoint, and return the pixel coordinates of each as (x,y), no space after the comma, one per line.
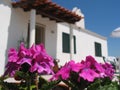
(62,31)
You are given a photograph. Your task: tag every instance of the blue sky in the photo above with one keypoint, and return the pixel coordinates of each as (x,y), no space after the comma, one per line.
(101,16)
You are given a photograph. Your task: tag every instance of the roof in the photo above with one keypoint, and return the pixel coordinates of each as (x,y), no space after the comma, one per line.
(47,8)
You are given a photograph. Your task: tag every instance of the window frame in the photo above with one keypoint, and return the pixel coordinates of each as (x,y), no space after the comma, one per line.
(98,49)
(64,49)
(65,43)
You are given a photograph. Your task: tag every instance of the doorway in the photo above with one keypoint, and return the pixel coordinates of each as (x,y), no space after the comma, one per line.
(39,34)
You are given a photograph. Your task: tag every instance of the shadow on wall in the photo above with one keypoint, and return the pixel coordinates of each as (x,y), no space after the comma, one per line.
(5,4)
(16,29)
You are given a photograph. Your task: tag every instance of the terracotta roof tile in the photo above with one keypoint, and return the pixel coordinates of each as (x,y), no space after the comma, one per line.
(46,8)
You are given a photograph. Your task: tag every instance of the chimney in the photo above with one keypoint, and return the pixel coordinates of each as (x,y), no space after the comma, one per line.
(80,23)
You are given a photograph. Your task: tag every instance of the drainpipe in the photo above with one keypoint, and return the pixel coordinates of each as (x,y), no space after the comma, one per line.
(32,27)
(71,42)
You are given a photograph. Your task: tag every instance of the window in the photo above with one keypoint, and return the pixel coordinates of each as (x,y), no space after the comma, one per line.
(39,35)
(74,38)
(98,51)
(66,43)
(28,35)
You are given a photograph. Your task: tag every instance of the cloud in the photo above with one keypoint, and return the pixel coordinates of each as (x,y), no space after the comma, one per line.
(116,33)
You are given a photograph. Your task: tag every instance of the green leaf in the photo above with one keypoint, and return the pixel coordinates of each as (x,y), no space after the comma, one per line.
(94,85)
(49,85)
(104,84)
(32,87)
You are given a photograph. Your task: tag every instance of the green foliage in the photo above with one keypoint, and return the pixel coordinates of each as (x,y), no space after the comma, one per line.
(21,75)
(43,84)
(98,84)
(70,84)
(3,84)
(104,84)
(112,86)
(42,81)
(49,85)
(25,84)
(74,83)
(9,86)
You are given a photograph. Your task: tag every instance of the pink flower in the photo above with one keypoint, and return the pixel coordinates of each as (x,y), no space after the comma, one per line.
(92,69)
(88,74)
(12,67)
(35,57)
(12,55)
(24,55)
(65,71)
(88,69)
(109,71)
(41,60)
(75,66)
(100,70)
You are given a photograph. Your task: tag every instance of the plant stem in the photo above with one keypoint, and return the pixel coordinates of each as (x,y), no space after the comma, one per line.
(28,82)
(36,81)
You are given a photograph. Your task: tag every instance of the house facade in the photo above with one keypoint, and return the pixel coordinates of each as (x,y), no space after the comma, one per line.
(64,38)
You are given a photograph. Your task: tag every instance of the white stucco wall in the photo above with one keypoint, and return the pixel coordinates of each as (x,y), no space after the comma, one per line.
(80,23)
(14,26)
(4,24)
(50,34)
(12,29)
(84,44)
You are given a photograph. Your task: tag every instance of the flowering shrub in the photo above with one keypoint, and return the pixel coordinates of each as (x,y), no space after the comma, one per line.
(85,74)
(88,70)
(34,59)
(27,63)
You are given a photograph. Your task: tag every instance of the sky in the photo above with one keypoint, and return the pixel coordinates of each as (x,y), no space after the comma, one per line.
(101,17)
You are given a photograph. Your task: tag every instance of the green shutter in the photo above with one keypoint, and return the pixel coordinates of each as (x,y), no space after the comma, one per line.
(66,42)
(74,44)
(98,51)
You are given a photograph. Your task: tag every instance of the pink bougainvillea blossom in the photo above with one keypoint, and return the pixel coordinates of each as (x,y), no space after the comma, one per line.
(88,74)
(64,72)
(12,67)
(41,60)
(36,57)
(12,55)
(100,70)
(88,69)
(109,71)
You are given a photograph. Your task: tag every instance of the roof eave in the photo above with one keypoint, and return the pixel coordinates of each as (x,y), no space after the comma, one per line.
(49,9)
